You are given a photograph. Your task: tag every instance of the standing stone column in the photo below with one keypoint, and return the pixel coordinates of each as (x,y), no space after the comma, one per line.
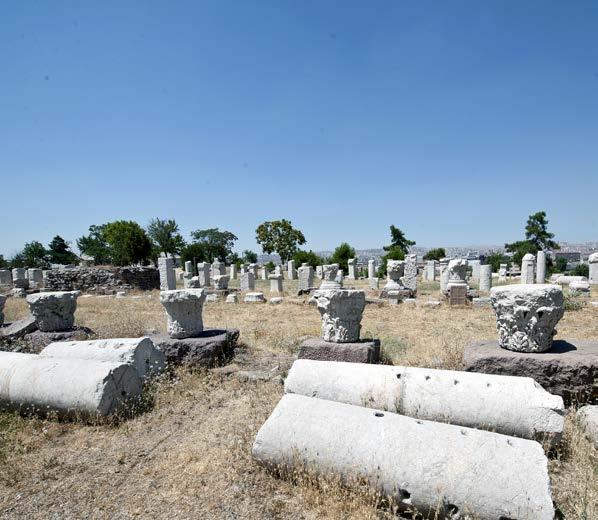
(341,312)
(485,278)
(5,278)
(502,273)
(247,282)
(242,269)
(431,270)
(351,275)
(253,268)
(233,271)
(36,278)
(329,277)
(475,269)
(291,270)
(444,275)
(319,271)
(53,311)
(593,261)
(263,273)
(218,267)
(189,266)
(203,273)
(19,278)
(184,309)
(371,268)
(410,274)
(306,277)
(167,276)
(527,269)
(541,267)
(275,283)
(526,315)
(220,282)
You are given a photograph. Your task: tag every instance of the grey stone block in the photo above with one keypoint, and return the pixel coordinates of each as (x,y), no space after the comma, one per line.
(209,349)
(568,369)
(364,351)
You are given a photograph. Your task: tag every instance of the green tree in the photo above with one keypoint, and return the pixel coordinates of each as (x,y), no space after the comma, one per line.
(216,244)
(581,270)
(537,237)
(279,236)
(249,257)
(398,240)
(128,241)
(394,253)
(307,257)
(17,260)
(59,252)
(95,245)
(435,254)
(341,256)
(495,258)
(35,255)
(165,236)
(3,263)
(193,253)
(561,264)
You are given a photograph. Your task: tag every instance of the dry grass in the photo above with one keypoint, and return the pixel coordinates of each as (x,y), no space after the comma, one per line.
(189,457)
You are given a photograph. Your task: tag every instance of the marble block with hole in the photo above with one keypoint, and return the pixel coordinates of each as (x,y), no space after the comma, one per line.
(363,351)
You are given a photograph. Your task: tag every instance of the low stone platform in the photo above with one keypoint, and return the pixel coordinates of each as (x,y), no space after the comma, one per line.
(568,369)
(207,350)
(39,340)
(364,351)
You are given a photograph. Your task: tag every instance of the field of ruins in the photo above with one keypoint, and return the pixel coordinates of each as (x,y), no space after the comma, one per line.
(188,453)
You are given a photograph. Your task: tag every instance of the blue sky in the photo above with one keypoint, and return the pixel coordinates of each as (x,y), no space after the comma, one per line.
(452,120)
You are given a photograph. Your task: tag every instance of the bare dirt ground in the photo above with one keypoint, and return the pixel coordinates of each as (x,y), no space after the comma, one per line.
(189,455)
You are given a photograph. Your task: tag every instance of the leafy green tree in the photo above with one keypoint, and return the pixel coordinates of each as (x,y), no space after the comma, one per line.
(495,258)
(561,264)
(435,254)
(270,266)
(537,237)
(581,270)
(193,253)
(3,263)
(307,257)
(17,260)
(128,241)
(165,236)
(59,252)
(341,256)
(249,257)
(216,244)
(35,255)
(399,241)
(95,245)
(279,236)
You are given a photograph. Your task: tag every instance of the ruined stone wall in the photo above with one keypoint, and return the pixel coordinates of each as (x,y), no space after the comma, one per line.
(102,280)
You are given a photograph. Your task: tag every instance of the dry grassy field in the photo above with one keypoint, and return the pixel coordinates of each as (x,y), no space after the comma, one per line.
(188,456)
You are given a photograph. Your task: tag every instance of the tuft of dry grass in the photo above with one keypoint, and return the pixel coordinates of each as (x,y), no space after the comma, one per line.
(190,455)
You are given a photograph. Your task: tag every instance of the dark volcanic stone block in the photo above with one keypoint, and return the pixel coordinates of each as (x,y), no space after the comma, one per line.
(39,340)
(568,369)
(364,351)
(207,350)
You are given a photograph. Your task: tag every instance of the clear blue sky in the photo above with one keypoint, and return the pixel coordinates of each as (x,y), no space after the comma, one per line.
(452,120)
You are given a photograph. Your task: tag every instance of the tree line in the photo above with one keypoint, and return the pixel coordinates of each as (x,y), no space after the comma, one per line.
(125,242)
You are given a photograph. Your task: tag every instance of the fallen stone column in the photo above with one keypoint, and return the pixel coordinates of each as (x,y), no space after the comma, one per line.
(140,353)
(68,387)
(505,404)
(422,464)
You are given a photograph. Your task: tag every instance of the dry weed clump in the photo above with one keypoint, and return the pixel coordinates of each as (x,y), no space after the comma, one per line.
(189,454)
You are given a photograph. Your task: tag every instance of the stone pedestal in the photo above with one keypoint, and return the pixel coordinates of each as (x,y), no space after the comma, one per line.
(19,278)
(292,272)
(410,275)
(306,277)
(203,273)
(36,278)
(526,315)
(5,278)
(365,351)
(247,282)
(394,271)
(220,282)
(167,276)
(485,278)
(528,268)
(329,277)
(341,312)
(568,368)
(541,267)
(275,283)
(371,268)
(53,311)
(184,309)
(210,348)
(351,274)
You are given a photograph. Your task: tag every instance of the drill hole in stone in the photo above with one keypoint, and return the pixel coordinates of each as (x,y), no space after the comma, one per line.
(452,510)
(378,414)
(398,376)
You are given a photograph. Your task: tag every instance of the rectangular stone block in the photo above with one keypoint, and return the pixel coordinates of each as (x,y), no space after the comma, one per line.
(365,351)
